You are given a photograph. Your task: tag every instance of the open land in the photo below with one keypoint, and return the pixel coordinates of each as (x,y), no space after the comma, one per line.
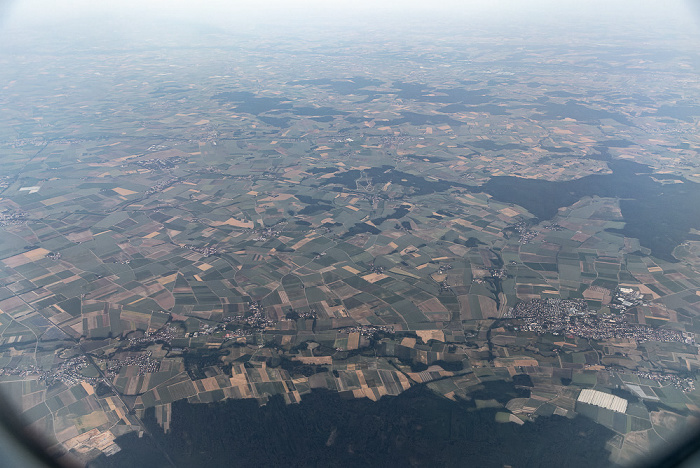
(262,229)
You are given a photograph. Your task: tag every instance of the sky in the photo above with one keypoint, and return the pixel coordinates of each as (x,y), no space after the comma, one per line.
(61,19)
(35,12)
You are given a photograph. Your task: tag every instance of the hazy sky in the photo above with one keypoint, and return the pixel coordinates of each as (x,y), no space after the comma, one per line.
(25,12)
(65,18)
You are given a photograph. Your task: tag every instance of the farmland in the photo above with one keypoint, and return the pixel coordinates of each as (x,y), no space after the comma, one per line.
(278,234)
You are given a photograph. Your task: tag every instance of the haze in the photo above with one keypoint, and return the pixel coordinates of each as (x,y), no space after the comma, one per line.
(78,16)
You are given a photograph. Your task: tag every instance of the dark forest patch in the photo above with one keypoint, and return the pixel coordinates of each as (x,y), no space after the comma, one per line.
(660,216)
(416,428)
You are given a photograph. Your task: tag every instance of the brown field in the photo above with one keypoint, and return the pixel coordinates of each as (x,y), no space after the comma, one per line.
(432,305)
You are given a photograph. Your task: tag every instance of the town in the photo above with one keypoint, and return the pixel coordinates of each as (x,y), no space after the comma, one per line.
(572,317)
